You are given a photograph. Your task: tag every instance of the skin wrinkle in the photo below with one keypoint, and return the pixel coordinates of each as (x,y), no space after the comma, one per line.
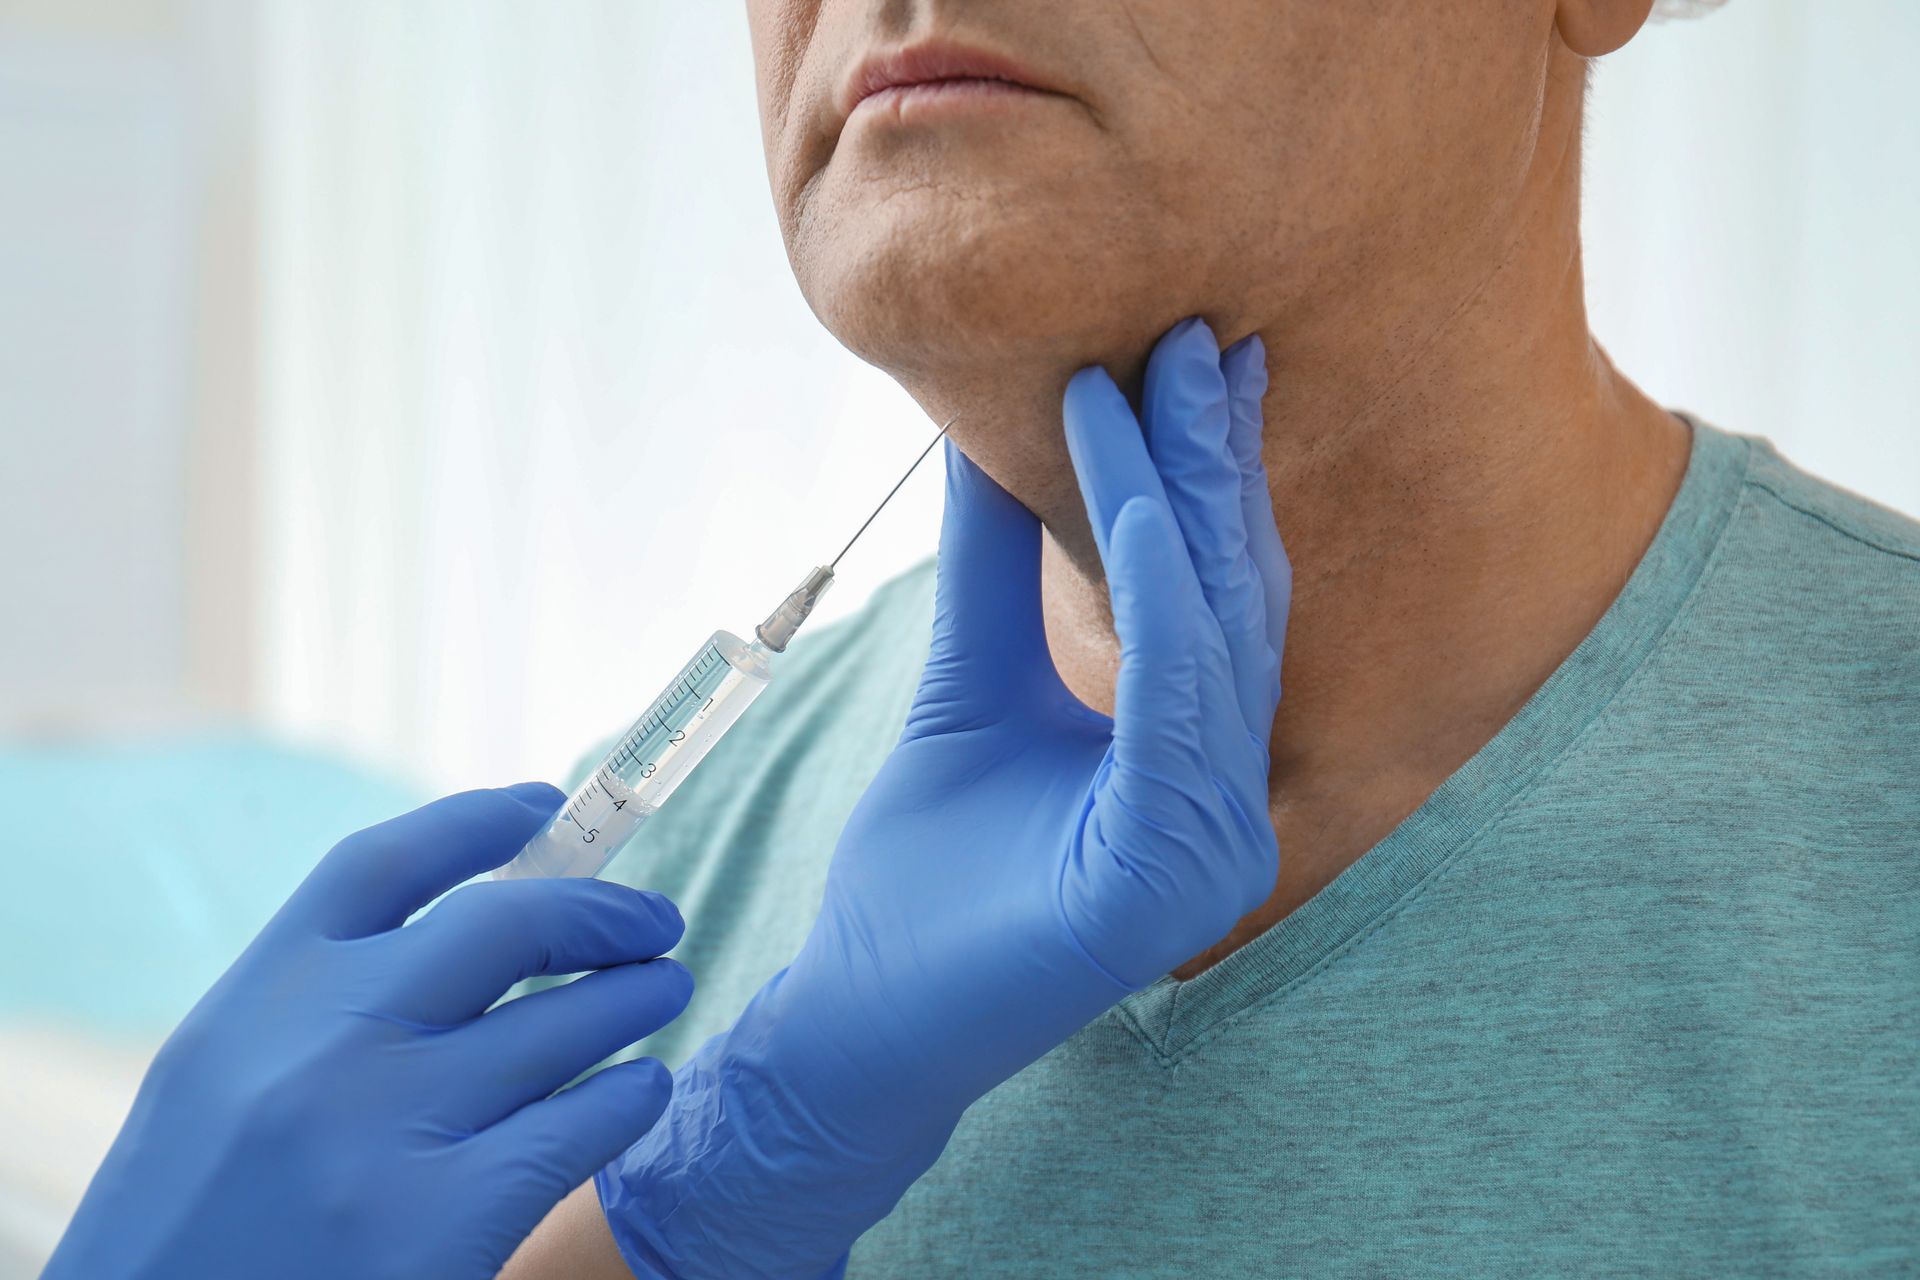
(1146,45)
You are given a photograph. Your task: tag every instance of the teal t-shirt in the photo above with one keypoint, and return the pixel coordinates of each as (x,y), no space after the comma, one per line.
(1635,991)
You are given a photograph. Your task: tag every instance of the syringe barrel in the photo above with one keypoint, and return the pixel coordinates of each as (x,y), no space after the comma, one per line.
(649,761)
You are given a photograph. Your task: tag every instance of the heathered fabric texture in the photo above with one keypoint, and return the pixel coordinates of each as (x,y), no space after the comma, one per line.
(1636,991)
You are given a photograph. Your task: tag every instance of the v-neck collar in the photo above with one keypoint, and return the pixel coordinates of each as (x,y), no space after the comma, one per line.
(1175,1017)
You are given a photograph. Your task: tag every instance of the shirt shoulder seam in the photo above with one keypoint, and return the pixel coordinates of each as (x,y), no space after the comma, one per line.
(1845,530)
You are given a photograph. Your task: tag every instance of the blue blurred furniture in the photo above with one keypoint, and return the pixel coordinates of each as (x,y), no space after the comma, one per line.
(135,872)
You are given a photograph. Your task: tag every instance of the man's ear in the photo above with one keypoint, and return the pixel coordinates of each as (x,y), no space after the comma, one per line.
(1592,28)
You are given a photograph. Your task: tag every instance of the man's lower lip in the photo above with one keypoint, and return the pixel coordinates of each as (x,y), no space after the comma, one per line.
(957,93)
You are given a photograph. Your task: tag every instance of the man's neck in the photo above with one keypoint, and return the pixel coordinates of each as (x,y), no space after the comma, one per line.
(1463,488)
(1462,480)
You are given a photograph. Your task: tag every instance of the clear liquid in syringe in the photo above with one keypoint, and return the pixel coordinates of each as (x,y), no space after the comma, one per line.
(651,758)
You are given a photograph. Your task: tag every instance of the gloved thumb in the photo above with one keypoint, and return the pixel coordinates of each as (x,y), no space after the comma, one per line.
(989,640)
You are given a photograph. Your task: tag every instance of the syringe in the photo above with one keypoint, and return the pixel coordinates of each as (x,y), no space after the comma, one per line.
(675,732)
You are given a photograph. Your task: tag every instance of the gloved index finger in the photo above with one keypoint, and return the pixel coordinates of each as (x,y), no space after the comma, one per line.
(1109,452)
(374,879)
(1245,367)
(527,1047)
(470,949)
(1173,668)
(989,640)
(1186,407)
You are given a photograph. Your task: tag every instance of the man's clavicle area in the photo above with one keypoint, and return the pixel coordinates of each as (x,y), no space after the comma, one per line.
(1361,829)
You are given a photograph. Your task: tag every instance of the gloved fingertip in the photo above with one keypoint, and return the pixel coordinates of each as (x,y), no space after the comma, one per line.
(667,913)
(676,978)
(966,480)
(1094,404)
(1192,329)
(1250,350)
(1245,369)
(984,529)
(543,796)
(1091,409)
(642,1089)
(1090,386)
(1186,353)
(650,1076)
(1185,401)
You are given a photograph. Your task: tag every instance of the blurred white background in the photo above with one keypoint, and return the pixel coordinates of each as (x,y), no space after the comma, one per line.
(423,379)
(411,385)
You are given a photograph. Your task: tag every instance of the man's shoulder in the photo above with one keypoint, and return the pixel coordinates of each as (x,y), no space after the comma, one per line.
(1806,627)
(1813,564)
(1889,539)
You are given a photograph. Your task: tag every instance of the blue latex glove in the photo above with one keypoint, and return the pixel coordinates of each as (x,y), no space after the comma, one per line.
(1020,862)
(337,1104)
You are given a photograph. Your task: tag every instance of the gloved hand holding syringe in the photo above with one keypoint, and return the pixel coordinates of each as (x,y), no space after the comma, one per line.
(675,732)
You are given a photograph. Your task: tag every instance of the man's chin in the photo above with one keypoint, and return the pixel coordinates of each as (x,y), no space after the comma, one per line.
(989,267)
(921,306)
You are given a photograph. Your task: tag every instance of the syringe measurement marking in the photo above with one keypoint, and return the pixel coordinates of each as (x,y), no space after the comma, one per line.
(627,751)
(586,793)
